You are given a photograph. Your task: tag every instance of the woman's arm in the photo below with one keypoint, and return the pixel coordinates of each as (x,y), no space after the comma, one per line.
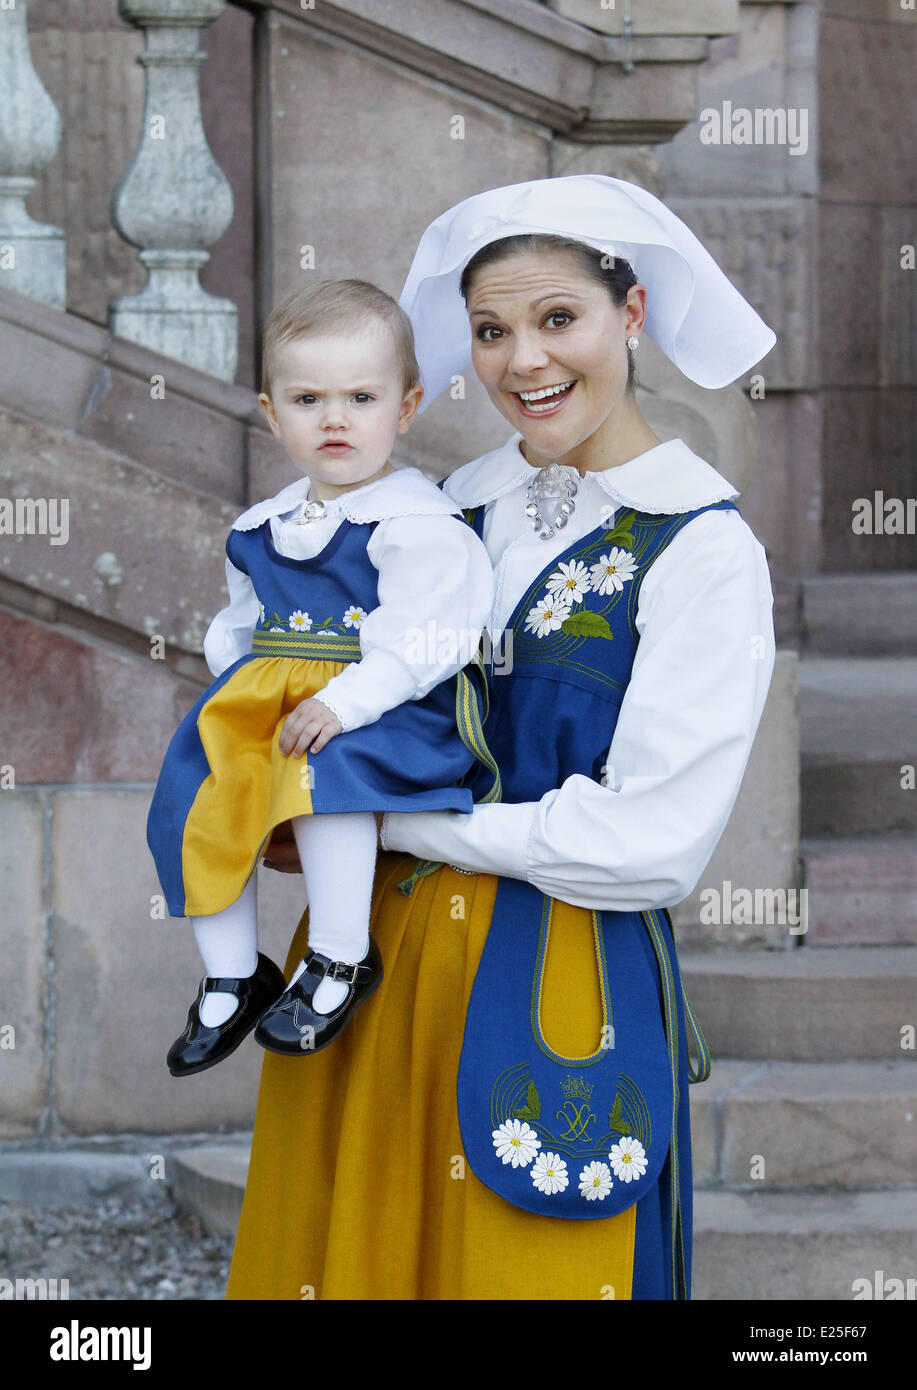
(678,755)
(435,579)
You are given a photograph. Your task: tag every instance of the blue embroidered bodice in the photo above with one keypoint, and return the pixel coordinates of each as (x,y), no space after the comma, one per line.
(559,672)
(325,586)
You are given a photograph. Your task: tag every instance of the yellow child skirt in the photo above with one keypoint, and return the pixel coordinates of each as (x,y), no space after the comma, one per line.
(358,1187)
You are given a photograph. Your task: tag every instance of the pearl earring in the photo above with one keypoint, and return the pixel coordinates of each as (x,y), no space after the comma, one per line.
(633,343)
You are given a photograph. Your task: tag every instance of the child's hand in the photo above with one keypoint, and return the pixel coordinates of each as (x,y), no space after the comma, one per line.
(308,728)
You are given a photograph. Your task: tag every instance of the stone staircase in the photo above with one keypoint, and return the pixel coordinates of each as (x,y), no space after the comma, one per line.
(809,1070)
(805,1139)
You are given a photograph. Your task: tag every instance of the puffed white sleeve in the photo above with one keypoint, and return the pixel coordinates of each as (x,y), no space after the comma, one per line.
(679,751)
(229,636)
(435,592)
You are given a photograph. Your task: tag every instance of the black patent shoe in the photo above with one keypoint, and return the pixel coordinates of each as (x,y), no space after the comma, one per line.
(200,1047)
(293,1027)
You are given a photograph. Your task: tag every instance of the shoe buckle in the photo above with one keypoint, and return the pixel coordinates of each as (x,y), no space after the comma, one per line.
(339,971)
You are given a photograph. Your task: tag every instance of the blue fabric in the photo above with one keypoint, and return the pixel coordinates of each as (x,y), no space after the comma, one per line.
(508,1071)
(411,758)
(554,703)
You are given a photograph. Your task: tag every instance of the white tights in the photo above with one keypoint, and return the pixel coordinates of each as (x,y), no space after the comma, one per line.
(338,857)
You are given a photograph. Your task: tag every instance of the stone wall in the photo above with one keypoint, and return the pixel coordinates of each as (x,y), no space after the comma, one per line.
(868,320)
(814,240)
(95,985)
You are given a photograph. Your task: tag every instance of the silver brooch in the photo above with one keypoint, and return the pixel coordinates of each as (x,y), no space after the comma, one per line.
(312,511)
(551,491)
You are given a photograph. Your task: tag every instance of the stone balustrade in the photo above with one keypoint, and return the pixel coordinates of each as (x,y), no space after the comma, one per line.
(171,202)
(32,255)
(569,68)
(173,199)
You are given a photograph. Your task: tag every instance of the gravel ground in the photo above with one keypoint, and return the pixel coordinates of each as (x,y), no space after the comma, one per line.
(115,1249)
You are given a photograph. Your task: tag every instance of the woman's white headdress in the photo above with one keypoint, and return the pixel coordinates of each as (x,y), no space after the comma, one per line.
(694,312)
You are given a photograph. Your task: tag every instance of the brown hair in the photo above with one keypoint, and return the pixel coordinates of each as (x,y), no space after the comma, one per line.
(332,305)
(616,277)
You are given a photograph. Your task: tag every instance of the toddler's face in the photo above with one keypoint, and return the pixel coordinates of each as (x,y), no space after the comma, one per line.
(338,406)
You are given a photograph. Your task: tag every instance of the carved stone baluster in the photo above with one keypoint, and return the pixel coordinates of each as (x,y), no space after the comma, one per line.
(33,256)
(173,199)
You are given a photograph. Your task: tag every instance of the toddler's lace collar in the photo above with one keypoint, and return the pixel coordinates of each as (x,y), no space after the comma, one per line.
(405,492)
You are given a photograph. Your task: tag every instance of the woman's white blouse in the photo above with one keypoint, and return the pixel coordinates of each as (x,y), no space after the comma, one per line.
(689,716)
(434,579)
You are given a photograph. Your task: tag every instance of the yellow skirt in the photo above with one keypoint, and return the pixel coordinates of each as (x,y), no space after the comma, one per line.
(358,1187)
(252,787)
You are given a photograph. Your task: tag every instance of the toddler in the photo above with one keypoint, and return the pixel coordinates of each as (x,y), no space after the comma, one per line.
(358,595)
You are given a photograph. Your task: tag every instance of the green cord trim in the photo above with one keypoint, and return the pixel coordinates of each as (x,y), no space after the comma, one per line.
(471,731)
(321,646)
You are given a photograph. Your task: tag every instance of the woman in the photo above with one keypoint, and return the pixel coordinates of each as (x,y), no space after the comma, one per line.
(508,1117)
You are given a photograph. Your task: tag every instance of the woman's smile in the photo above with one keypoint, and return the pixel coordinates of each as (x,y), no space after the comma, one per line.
(543,400)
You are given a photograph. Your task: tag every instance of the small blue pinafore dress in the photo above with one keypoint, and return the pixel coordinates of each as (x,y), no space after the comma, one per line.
(224,785)
(580,1137)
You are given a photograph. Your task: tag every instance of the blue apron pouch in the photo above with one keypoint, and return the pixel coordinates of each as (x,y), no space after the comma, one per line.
(578,1138)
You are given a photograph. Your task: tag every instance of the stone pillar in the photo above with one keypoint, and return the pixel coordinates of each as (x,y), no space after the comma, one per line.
(33,258)
(173,199)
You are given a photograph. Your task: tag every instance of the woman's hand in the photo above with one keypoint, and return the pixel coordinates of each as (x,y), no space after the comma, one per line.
(308,728)
(282,854)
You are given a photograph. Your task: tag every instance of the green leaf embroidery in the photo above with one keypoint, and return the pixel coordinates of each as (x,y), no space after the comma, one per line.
(532,1109)
(621,533)
(586,624)
(615,1122)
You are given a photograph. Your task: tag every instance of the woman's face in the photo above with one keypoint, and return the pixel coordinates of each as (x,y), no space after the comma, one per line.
(539,322)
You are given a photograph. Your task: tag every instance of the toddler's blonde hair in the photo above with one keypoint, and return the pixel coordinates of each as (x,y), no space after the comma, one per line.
(330,306)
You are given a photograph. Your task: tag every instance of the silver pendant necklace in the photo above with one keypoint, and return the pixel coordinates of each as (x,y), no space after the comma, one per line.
(550,503)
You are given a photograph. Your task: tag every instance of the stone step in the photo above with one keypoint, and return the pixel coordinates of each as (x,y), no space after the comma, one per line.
(786,1125)
(860,614)
(850,1125)
(858,744)
(208,1180)
(805,1004)
(861,892)
(747,1245)
(804,1245)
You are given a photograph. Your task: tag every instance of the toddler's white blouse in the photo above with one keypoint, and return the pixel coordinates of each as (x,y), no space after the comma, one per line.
(435,590)
(689,715)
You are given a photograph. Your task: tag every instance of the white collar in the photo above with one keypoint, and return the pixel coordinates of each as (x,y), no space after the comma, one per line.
(670,477)
(406,492)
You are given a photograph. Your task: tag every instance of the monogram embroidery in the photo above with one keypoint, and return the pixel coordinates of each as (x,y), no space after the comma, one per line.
(521,1137)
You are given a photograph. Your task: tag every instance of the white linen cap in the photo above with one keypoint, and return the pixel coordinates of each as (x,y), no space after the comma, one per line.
(693,311)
